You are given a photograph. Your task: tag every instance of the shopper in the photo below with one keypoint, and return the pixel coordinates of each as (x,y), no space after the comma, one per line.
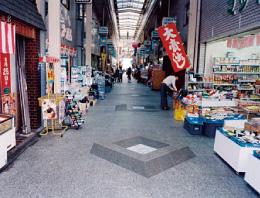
(167,83)
(129,73)
(120,74)
(117,75)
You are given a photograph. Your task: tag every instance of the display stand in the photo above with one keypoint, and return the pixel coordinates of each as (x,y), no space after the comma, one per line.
(252,176)
(235,155)
(53,97)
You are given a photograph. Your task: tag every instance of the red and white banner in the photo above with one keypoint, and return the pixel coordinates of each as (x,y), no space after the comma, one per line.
(258,39)
(250,41)
(7,38)
(173,45)
(229,42)
(235,43)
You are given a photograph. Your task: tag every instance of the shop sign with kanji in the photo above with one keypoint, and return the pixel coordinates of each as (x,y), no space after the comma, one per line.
(5,74)
(173,45)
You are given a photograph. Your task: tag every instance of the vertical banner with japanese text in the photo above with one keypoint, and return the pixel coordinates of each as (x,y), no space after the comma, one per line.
(5,74)
(173,45)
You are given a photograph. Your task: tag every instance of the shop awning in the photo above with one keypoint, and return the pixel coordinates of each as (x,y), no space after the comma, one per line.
(23,10)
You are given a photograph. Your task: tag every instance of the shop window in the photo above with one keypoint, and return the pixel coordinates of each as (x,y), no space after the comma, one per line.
(66,3)
(187,14)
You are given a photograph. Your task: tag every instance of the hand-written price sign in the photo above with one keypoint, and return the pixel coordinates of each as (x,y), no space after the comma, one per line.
(173,45)
(5,74)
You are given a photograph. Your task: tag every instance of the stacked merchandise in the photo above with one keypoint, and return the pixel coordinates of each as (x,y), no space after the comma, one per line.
(74,112)
(99,81)
(235,74)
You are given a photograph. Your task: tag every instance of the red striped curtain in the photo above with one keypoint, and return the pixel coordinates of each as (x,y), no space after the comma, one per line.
(7,38)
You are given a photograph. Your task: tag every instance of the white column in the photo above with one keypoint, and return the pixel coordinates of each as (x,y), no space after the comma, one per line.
(88,34)
(191,44)
(55,39)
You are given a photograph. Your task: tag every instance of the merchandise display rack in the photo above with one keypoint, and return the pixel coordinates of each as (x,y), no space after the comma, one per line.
(234,154)
(252,176)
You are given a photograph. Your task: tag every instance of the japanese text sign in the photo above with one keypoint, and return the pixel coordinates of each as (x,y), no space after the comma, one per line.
(5,74)
(173,45)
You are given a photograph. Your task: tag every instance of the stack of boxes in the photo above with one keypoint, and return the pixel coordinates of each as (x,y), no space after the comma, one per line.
(101,89)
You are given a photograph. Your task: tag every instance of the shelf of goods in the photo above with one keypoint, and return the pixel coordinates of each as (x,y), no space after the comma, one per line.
(7,137)
(233,153)
(252,176)
(200,89)
(229,71)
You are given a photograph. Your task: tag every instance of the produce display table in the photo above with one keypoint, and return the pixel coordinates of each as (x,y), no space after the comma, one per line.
(252,176)
(235,155)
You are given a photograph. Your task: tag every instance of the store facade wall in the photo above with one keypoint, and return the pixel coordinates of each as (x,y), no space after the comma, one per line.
(28,22)
(218,24)
(32,48)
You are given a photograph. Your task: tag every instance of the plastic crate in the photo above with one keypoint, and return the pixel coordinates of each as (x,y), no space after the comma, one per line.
(193,127)
(209,128)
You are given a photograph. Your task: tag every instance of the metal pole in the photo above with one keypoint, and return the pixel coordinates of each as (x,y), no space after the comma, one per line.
(82,34)
(169,4)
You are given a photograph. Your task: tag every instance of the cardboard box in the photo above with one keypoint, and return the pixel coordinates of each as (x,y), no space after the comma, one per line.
(247,126)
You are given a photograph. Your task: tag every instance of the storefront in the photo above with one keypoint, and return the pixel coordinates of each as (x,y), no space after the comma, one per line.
(229,46)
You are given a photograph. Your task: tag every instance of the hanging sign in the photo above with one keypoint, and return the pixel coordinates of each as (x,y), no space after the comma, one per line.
(103,30)
(83,1)
(155,45)
(147,43)
(5,74)
(155,35)
(167,20)
(103,41)
(7,38)
(173,45)
(109,42)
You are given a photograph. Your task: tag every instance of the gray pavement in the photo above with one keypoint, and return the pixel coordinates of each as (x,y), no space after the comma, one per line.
(63,167)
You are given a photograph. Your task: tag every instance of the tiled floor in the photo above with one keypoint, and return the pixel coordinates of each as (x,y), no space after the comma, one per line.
(64,167)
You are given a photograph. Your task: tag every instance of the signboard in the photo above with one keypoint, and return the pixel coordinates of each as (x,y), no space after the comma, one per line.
(174,48)
(62,110)
(103,41)
(49,109)
(103,30)
(109,42)
(167,20)
(5,74)
(155,35)
(83,1)
(50,78)
(147,43)
(103,61)
(155,45)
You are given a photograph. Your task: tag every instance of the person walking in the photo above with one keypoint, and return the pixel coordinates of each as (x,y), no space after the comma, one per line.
(120,74)
(129,73)
(117,75)
(167,83)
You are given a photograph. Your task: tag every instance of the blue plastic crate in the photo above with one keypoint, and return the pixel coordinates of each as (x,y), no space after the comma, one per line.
(195,120)
(235,117)
(209,128)
(192,127)
(108,89)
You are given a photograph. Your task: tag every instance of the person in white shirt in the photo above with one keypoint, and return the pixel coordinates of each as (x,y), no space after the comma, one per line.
(168,82)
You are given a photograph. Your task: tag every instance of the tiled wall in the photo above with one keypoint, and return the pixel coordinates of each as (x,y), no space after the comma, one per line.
(216,22)
(32,48)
